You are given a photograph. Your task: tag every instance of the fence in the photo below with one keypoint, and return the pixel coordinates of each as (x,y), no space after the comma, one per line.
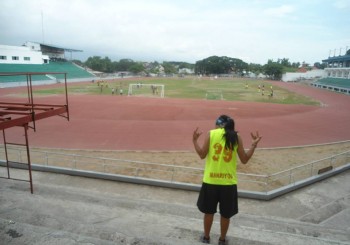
(250,185)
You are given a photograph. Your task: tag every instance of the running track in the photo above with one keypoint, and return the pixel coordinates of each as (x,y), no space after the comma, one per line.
(135,123)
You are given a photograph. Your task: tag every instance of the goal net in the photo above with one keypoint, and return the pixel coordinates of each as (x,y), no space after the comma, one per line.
(214,95)
(148,90)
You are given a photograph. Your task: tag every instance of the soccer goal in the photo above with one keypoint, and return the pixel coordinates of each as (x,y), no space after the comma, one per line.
(147,90)
(214,95)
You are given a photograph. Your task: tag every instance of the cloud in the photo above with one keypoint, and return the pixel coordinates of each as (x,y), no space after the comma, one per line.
(182,30)
(342,4)
(281,11)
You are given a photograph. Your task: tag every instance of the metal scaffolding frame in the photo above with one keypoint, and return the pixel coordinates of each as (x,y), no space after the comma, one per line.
(25,114)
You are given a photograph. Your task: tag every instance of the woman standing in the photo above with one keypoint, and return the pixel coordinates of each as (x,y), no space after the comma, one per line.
(220,148)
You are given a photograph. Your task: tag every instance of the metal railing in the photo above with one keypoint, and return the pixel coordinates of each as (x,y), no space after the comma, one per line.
(175,174)
(314,168)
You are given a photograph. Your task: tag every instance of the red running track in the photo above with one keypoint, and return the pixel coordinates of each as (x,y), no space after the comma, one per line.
(136,123)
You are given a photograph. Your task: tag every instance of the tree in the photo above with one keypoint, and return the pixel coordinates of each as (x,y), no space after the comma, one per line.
(296,64)
(285,62)
(97,64)
(181,65)
(169,68)
(124,65)
(220,65)
(107,65)
(318,65)
(136,68)
(274,70)
(94,63)
(255,68)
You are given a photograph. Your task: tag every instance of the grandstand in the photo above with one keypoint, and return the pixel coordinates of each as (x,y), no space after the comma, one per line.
(338,66)
(40,58)
(338,74)
(73,72)
(335,84)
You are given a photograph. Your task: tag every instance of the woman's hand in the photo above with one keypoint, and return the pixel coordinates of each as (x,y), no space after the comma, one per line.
(243,155)
(196,135)
(255,138)
(201,151)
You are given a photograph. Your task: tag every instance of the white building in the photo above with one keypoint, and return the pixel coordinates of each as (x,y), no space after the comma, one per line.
(33,53)
(186,71)
(296,76)
(338,66)
(22,55)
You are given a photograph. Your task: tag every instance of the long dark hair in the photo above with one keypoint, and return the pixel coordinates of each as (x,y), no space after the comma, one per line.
(231,137)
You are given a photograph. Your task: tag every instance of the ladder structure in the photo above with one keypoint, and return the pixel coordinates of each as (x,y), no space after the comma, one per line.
(24,113)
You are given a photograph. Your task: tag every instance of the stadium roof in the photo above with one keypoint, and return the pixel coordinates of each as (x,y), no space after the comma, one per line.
(58,47)
(337,58)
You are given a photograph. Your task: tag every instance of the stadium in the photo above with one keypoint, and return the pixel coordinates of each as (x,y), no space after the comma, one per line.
(37,57)
(146,139)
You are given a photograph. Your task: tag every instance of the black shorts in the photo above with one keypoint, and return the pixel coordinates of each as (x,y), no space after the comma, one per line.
(225,195)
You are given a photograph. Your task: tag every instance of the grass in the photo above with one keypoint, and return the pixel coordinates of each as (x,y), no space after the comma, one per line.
(195,88)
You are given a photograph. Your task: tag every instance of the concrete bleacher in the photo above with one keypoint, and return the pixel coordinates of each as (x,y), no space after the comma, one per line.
(75,210)
(340,82)
(341,85)
(73,71)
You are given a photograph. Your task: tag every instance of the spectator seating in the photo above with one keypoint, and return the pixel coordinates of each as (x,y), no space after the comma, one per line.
(73,71)
(335,84)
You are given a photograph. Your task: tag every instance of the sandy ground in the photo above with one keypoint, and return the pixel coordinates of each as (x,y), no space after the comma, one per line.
(264,161)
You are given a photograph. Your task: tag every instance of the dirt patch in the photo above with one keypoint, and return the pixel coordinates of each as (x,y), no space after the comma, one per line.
(264,161)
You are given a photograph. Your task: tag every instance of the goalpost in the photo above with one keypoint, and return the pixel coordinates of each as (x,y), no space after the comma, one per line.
(148,90)
(214,95)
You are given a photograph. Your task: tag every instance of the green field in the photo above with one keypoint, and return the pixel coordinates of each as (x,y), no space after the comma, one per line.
(195,88)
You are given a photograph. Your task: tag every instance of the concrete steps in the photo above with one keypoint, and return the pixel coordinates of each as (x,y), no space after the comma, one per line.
(88,211)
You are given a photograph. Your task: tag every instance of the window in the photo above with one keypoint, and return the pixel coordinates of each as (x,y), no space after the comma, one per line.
(27,58)
(3,57)
(15,58)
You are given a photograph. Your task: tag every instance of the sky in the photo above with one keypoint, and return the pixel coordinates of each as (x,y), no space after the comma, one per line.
(254,31)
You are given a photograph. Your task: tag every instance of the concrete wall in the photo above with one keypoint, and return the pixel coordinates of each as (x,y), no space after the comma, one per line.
(296,76)
(21,55)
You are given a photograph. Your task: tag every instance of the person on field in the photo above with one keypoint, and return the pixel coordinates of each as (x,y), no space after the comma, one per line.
(220,148)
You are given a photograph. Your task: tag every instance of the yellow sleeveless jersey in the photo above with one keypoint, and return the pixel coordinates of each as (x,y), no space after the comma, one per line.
(221,163)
